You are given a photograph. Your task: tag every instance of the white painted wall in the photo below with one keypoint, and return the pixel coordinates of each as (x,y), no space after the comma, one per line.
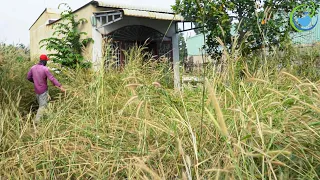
(97,48)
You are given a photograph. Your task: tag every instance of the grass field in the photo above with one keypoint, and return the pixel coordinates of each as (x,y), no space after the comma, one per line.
(112,125)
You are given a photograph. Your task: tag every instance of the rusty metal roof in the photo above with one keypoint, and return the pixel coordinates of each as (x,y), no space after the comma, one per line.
(152,15)
(134,7)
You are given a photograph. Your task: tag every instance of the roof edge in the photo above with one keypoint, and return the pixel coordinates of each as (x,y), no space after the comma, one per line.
(152,15)
(38,18)
(91,2)
(100,3)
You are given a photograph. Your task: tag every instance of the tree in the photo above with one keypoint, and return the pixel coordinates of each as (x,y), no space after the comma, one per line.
(66,41)
(259,23)
(183,52)
(197,30)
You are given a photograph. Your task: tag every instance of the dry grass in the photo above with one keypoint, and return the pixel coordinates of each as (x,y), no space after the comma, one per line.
(125,126)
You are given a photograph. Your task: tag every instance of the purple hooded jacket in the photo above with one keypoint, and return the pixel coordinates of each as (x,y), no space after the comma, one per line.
(38,74)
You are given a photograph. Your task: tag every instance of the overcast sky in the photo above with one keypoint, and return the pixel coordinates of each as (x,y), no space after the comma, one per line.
(16,16)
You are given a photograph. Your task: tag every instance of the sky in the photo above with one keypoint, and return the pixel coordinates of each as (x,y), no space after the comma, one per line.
(17,16)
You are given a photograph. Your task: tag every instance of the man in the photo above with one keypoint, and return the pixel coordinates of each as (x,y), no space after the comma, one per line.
(39,74)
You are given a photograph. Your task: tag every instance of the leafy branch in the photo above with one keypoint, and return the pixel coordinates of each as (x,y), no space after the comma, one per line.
(66,41)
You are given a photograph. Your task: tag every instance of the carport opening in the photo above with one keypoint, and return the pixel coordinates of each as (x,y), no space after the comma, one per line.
(126,37)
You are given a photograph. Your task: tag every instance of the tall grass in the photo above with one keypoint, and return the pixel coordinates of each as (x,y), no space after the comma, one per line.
(130,124)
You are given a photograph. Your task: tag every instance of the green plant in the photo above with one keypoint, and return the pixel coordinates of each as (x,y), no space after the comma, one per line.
(66,41)
(183,52)
(266,24)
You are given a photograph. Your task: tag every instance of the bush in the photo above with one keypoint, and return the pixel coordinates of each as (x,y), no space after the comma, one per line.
(67,42)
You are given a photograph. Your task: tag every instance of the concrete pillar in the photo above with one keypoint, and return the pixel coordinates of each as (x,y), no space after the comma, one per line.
(96,48)
(176,66)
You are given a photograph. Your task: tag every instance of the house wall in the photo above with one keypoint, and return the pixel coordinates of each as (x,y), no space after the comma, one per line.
(86,13)
(198,59)
(195,45)
(41,31)
(307,37)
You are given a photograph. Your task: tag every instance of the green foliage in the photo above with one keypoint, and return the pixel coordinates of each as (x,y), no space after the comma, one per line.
(66,41)
(257,24)
(183,52)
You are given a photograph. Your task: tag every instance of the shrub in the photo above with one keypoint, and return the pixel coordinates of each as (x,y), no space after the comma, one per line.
(67,42)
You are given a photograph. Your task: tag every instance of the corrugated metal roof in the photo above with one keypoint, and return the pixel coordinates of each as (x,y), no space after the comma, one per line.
(152,15)
(133,7)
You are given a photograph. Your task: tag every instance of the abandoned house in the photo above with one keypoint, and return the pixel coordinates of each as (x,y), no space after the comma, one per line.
(126,25)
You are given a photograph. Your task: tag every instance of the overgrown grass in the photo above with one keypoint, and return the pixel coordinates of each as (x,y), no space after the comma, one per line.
(117,125)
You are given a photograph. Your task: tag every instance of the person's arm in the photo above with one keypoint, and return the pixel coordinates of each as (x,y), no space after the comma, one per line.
(54,81)
(29,76)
